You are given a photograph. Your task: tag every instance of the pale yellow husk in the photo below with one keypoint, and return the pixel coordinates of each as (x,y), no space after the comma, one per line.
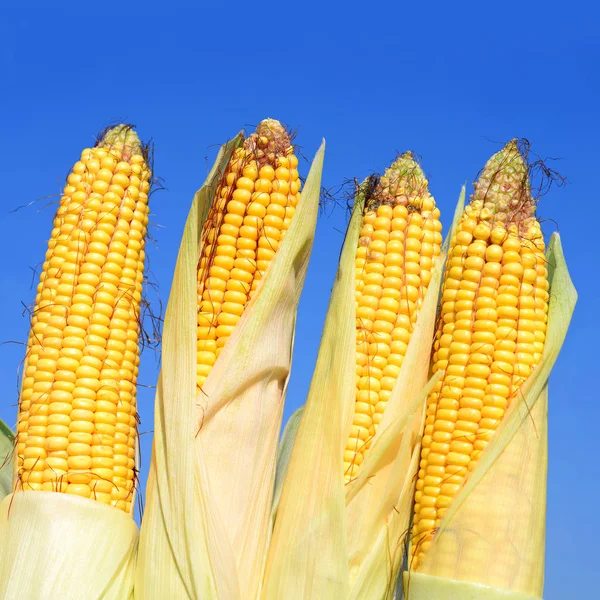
(428,587)
(493,534)
(284,453)
(332,541)
(63,547)
(208,515)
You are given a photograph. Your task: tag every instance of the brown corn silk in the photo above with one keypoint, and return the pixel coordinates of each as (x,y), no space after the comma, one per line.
(489,340)
(400,239)
(253,209)
(77,422)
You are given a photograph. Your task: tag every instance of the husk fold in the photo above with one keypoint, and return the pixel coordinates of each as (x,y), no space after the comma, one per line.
(208,514)
(332,541)
(504,557)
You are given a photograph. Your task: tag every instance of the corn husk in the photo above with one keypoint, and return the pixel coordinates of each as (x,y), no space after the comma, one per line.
(208,515)
(284,453)
(427,587)
(334,541)
(503,557)
(6,459)
(60,546)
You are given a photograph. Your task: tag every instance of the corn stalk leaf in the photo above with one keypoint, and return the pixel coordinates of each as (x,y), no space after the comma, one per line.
(63,547)
(6,459)
(210,490)
(509,481)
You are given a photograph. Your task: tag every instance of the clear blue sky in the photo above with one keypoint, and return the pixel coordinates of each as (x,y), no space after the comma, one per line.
(449,82)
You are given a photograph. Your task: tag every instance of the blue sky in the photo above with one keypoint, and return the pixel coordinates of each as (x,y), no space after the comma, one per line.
(450,83)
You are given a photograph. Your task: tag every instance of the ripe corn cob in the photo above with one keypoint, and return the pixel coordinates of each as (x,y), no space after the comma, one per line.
(490,335)
(77,422)
(399,242)
(254,206)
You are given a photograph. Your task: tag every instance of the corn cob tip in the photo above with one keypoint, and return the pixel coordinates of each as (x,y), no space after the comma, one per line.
(407,165)
(504,189)
(402,182)
(269,141)
(122,139)
(270,126)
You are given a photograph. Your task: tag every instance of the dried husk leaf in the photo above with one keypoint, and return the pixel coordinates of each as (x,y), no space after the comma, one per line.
(6,459)
(506,555)
(209,494)
(62,547)
(336,541)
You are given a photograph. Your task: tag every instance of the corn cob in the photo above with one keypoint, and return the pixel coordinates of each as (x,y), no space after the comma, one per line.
(77,421)
(253,208)
(490,335)
(399,241)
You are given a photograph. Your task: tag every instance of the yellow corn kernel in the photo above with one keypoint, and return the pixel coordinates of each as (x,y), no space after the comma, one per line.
(399,240)
(259,192)
(484,341)
(76,373)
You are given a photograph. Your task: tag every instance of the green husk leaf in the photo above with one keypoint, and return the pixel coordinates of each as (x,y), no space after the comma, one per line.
(208,516)
(514,463)
(7,438)
(284,454)
(63,547)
